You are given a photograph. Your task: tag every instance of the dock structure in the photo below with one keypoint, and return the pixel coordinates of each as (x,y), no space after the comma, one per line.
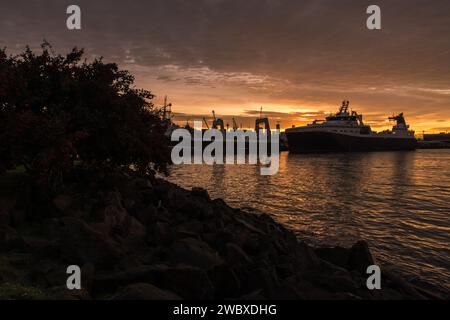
(435,141)
(441,137)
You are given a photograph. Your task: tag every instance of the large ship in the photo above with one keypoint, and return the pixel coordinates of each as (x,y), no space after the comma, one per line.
(345,131)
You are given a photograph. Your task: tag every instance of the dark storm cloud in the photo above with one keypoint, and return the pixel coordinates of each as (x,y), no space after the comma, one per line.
(293,51)
(313,40)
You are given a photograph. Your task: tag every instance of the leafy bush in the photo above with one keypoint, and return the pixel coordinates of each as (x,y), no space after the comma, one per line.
(56,109)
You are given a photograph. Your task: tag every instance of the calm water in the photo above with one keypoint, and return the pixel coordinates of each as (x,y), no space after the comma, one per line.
(397,201)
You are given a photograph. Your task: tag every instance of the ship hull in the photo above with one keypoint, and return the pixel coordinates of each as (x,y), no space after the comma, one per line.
(310,142)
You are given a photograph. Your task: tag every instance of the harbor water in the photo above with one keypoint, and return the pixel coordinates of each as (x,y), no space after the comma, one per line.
(399,202)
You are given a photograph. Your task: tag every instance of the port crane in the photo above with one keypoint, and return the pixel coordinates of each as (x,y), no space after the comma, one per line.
(167,110)
(262,121)
(217,122)
(235,126)
(206,123)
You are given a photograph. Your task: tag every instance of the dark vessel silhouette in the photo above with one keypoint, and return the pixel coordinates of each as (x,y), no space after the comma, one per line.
(345,131)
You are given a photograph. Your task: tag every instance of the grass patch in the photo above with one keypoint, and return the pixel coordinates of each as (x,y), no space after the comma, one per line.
(9,291)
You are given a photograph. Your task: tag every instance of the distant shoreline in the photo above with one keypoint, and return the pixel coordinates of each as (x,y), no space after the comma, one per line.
(433,145)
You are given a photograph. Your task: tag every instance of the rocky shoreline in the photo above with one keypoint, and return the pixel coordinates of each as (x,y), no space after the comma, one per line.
(137,238)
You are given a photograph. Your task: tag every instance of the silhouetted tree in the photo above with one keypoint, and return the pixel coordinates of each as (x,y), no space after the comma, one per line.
(57,109)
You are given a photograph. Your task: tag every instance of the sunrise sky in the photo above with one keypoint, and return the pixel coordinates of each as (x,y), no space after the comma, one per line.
(297,58)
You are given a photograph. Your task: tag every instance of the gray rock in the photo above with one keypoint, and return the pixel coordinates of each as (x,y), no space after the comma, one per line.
(225,281)
(305,257)
(195,253)
(87,276)
(146,215)
(142,183)
(284,270)
(236,254)
(337,255)
(186,281)
(117,221)
(339,282)
(82,244)
(264,279)
(201,193)
(401,285)
(160,233)
(360,257)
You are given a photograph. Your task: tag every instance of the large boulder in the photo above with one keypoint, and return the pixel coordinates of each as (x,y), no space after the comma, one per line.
(195,253)
(236,255)
(142,184)
(201,193)
(225,281)
(305,257)
(67,205)
(81,244)
(339,281)
(117,221)
(287,291)
(337,255)
(160,233)
(262,278)
(186,281)
(360,257)
(146,215)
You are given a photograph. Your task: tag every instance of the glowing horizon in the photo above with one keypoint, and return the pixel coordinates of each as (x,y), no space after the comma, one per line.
(291,57)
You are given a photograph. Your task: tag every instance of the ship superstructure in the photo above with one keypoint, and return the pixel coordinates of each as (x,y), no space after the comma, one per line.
(346,131)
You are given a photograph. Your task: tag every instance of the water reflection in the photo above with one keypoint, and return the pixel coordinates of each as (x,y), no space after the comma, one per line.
(397,201)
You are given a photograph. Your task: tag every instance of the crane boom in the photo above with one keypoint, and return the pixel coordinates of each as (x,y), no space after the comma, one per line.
(206,123)
(235,126)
